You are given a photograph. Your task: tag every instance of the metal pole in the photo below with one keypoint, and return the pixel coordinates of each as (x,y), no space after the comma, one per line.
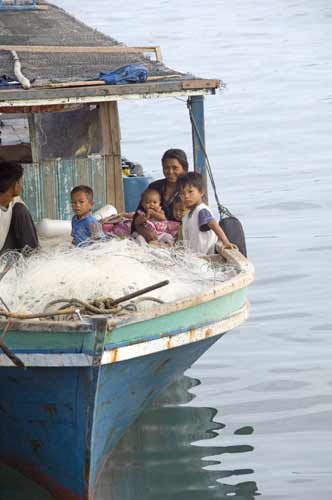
(196,106)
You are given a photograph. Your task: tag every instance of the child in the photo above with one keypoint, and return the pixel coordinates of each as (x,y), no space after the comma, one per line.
(179,210)
(84,225)
(17,230)
(150,222)
(200,229)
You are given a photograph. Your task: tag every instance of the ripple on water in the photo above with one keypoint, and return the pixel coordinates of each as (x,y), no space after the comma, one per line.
(281,316)
(293,370)
(320,248)
(291,206)
(278,385)
(268,406)
(280,279)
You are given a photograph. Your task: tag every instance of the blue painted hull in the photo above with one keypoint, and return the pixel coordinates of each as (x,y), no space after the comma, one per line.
(58,425)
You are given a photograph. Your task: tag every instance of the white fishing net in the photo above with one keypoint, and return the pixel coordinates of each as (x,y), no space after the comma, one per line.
(107,269)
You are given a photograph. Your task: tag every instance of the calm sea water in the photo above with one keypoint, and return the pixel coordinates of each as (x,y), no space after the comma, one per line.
(253,417)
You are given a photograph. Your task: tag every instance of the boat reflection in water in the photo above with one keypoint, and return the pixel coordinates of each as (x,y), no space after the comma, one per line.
(14,486)
(157,457)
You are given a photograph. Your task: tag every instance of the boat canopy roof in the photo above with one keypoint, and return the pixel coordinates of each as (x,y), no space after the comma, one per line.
(62,59)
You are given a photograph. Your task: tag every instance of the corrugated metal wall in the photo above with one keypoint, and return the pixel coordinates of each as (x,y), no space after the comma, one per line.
(47,185)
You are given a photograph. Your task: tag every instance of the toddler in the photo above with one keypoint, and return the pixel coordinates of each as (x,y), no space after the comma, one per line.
(84,225)
(150,221)
(200,229)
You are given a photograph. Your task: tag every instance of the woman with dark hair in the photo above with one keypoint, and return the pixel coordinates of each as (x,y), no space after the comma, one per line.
(175,164)
(17,230)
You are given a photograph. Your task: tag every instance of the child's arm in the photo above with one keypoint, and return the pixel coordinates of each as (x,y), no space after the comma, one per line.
(156,214)
(141,228)
(96,230)
(72,234)
(146,233)
(213,224)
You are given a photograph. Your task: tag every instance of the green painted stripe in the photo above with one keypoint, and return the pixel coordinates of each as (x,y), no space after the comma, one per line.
(208,312)
(46,341)
(72,341)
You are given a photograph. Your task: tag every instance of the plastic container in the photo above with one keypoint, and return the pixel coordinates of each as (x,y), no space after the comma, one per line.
(53,228)
(133,187)
(105,211)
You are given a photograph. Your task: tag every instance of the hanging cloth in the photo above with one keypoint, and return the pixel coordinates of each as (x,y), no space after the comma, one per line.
(6,81)
(131,73)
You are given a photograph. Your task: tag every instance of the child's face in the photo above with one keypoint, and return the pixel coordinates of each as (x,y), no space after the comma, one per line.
(81,204)
(178,211)
(190,196)
(151,201)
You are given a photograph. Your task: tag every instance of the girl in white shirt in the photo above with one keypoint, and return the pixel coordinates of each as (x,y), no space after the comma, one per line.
(200,229)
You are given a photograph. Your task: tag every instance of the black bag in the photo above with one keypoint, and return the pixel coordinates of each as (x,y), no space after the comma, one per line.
(233,229)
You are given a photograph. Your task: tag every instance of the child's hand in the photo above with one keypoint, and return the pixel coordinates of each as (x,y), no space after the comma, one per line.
(213,224)
(230,246)
(140,219)
(155,243)
(157,213)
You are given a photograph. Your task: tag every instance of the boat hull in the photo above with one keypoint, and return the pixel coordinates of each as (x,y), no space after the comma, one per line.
(85,382)
(58,426)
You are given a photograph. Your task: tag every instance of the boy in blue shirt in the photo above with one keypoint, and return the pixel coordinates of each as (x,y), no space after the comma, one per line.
(84,225)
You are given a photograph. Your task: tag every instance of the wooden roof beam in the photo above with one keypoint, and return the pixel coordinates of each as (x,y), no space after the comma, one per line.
(114,49)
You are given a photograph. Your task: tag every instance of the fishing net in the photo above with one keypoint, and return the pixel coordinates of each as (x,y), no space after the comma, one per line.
(107,269)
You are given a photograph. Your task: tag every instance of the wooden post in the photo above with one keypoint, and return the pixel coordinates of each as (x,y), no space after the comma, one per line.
(33,137)
(110,129)
(196,107)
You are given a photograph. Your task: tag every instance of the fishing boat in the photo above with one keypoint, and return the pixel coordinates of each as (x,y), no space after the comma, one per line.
(70,389)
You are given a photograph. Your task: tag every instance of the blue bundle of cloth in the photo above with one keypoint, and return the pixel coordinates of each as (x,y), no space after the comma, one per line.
(131,73)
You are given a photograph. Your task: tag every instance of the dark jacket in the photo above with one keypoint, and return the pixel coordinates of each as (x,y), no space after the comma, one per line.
(22,231)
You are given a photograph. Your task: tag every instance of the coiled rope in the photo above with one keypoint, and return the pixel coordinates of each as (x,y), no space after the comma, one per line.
(104,306)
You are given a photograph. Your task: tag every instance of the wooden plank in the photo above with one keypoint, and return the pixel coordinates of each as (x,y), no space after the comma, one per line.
(201,83)
(75,49)
(110,126)
(162,77)
(80,83)
(105,90)
(16,152)
(89,83)
(33,138)
(159,56)
(18,105)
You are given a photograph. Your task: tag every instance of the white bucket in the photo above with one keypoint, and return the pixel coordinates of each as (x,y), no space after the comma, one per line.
(53,228)
(105,211)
